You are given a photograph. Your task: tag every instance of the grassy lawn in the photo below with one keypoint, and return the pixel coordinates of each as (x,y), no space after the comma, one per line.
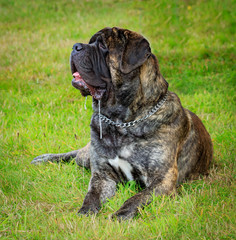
(40,112)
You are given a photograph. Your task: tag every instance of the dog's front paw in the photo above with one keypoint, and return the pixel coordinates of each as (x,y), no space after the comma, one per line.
(123,214)
(88,210)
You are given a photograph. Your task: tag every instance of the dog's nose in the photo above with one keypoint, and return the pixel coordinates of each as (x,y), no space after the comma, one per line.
(77,47)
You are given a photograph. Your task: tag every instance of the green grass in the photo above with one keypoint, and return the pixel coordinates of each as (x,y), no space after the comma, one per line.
(41,112)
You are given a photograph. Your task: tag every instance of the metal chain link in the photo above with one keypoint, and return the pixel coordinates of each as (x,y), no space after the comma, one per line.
(132,123)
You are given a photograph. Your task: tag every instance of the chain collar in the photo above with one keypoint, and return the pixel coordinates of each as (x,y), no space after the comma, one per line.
(132,123)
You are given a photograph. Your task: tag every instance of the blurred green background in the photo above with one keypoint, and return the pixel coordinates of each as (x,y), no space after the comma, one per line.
(41,112)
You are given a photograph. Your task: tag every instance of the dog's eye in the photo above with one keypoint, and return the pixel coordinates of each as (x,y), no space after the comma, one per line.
(102,46)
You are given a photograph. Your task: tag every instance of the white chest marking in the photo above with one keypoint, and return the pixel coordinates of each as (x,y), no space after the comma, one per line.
(124,166)
(126,152)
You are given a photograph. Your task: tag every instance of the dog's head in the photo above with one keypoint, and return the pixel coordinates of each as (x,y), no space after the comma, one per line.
(112,56)
(90,69)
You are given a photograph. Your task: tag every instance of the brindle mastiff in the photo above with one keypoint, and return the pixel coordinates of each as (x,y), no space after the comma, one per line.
(141,132)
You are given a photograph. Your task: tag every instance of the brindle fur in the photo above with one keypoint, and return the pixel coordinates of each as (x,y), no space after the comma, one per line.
(169,147)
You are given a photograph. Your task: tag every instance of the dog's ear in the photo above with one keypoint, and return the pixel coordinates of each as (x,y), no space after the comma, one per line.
(136,52)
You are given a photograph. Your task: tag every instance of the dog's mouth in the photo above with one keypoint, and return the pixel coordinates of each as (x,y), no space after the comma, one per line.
(86,89)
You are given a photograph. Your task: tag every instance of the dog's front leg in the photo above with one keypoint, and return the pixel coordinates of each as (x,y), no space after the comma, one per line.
(100,189)
(161,185)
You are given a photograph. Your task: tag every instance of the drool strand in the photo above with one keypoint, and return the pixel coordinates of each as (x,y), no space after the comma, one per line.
(85,102)
(100,121)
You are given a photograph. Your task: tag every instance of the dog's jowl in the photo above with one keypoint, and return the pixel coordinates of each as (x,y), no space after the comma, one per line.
(139,129)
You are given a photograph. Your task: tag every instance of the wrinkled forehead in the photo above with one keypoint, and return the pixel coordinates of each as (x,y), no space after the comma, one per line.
(103,33)
(111,35)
